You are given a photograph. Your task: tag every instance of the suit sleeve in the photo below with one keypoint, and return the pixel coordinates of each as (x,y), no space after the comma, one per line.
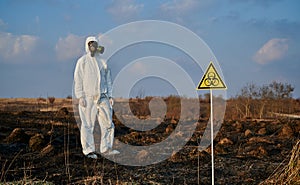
(109,83)
(78,79)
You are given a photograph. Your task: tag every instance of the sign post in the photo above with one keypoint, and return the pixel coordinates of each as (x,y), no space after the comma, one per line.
(211,80)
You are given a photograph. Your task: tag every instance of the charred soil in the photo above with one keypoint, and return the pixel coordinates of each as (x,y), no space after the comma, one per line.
(45,146)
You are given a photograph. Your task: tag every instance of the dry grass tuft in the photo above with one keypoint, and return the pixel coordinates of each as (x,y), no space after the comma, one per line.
(289,174)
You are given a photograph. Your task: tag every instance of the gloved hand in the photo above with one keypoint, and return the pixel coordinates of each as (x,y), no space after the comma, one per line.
(111,101)
(82,102)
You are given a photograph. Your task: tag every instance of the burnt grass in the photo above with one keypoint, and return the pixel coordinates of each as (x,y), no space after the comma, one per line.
(45,147)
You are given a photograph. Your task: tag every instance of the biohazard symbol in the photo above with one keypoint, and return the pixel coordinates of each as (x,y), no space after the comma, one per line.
(211,79)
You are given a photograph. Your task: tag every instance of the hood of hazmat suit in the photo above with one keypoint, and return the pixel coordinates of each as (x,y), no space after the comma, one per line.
(87,74)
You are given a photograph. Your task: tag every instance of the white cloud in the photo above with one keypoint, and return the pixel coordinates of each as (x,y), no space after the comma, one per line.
(179,6)
(70,47)
(138,67)
(16,47)
(273,50)
(125,9)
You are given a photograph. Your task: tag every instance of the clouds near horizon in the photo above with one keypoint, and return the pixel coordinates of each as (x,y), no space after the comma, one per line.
(69,47)
(273,50)
(13,48)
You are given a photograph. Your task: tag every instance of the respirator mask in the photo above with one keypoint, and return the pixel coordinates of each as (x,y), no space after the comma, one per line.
(93,47)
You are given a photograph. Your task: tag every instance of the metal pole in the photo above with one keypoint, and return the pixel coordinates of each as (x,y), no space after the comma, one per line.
(212,138)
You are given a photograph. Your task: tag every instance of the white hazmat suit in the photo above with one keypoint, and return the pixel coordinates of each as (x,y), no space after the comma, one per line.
(93,88)
(87,90)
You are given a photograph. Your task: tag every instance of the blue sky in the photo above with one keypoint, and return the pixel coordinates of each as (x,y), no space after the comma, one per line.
(255,41)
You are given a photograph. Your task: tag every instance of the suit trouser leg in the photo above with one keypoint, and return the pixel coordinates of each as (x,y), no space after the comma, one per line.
(106,125)
(88,117)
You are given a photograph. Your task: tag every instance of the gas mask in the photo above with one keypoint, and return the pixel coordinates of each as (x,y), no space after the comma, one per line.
(93,47)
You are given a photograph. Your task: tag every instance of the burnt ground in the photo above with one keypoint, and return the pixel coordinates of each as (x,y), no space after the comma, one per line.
(45,146)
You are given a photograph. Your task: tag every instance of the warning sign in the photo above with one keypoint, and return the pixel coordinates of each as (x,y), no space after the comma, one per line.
(211,79)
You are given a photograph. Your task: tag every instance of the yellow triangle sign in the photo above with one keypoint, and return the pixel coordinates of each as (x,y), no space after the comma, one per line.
(211,79)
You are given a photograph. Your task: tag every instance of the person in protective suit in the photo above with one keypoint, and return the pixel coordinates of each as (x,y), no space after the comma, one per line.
(87,87)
